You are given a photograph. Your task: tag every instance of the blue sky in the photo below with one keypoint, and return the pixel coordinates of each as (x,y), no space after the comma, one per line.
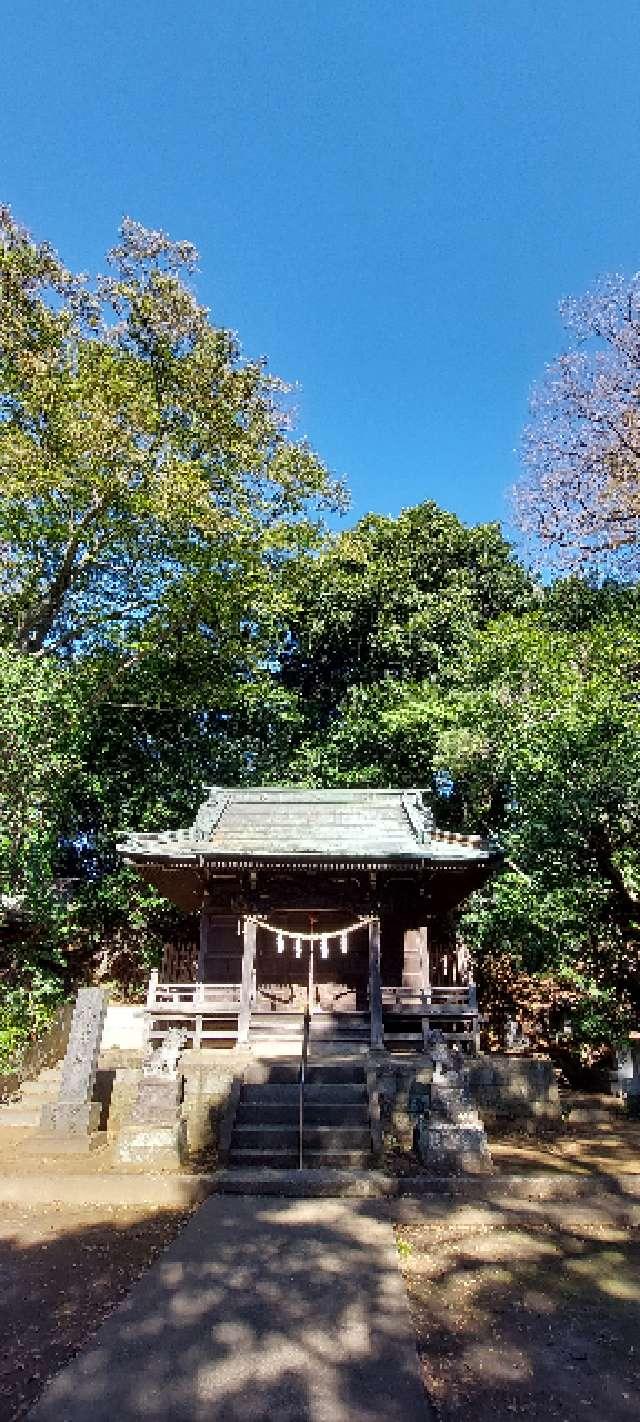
(389,198)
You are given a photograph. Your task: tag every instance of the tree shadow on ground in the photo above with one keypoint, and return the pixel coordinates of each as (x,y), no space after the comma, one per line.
(525,1309)
(61,1271)
(262,1309)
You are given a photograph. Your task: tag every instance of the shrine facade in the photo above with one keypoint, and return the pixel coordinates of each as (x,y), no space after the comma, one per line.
(339,903)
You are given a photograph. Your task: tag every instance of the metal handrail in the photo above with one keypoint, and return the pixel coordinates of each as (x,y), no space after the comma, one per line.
(303,1067)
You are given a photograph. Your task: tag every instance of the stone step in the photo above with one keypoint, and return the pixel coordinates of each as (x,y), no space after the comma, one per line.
(279,1021)
(331,1138)
(309,1182)
(15,1114)
(274,1027)
(336,1113)
(340,1031)
(317,1139)
(335,1093)
(251,1113)
(264,1137)
(39,1090)
(273,1074)
(270,1093)
(316,1113)
(258,1159)
(591,1116)
(338,1019)
(337,1159)
(332,1074)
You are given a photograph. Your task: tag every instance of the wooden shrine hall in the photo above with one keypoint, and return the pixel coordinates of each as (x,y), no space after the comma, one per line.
(342,903)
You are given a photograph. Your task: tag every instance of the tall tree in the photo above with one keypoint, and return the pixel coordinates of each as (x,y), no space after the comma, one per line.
(395,598)
(137,447)
(579,498)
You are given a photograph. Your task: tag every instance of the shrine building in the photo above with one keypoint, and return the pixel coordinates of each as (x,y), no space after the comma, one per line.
(342,904)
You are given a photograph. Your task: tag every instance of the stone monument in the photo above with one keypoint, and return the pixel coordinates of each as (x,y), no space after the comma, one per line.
(70,1122)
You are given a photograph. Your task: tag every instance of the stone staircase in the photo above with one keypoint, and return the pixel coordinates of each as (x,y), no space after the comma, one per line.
(337,1129)
(586,1112)
(278,1032)
(25,1109)
(335,1029)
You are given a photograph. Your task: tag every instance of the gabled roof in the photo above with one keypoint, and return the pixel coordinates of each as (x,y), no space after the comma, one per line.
(276,824)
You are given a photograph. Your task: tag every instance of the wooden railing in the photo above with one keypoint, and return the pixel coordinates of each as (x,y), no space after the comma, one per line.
(446,1000)
(209,1011)
(196,1006)
(453,1008)
(191,996)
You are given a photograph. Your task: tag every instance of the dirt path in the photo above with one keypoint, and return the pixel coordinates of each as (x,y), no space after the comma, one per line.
(61,1271)
(523,1313)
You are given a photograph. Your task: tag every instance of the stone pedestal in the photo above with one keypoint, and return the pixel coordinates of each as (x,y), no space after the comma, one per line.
(451,1135)
(154,1135)
(208,1084)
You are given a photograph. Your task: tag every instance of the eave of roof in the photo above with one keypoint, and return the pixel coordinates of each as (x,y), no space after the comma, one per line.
(305,828)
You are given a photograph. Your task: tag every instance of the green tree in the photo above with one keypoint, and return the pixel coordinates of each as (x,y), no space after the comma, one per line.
(137,448)
(394,599)
(151,493)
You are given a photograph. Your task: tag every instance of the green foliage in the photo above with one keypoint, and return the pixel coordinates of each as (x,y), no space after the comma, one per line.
(532,734)
(395,599)
(138,451)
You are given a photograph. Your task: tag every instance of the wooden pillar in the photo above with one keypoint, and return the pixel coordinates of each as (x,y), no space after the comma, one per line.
(205,937)
(425,963)
(311,993)
(246,987)
(375,986)
(416,967)
(411,959)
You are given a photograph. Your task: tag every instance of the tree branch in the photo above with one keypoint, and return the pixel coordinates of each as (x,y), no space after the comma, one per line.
(39,621)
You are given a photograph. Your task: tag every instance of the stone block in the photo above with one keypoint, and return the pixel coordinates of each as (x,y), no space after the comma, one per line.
(515,1089)
(208,1082)
(453,1149)
(157,1102)
(157,1147)
(123,1096)
(70,1118)
(43,1143)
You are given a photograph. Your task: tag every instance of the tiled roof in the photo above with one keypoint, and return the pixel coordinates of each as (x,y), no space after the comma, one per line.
(316,824)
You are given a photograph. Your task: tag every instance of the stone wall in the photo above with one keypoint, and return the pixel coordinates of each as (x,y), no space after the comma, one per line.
(124,1027)
(208,1079)
(403,1088)
(505,1090)
(46,1051)
(512,1090)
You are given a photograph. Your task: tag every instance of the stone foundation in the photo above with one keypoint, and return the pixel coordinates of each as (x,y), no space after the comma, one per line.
(515,1091)
(206,1080)
(154,1135)
(208,1085)
(505,1090)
